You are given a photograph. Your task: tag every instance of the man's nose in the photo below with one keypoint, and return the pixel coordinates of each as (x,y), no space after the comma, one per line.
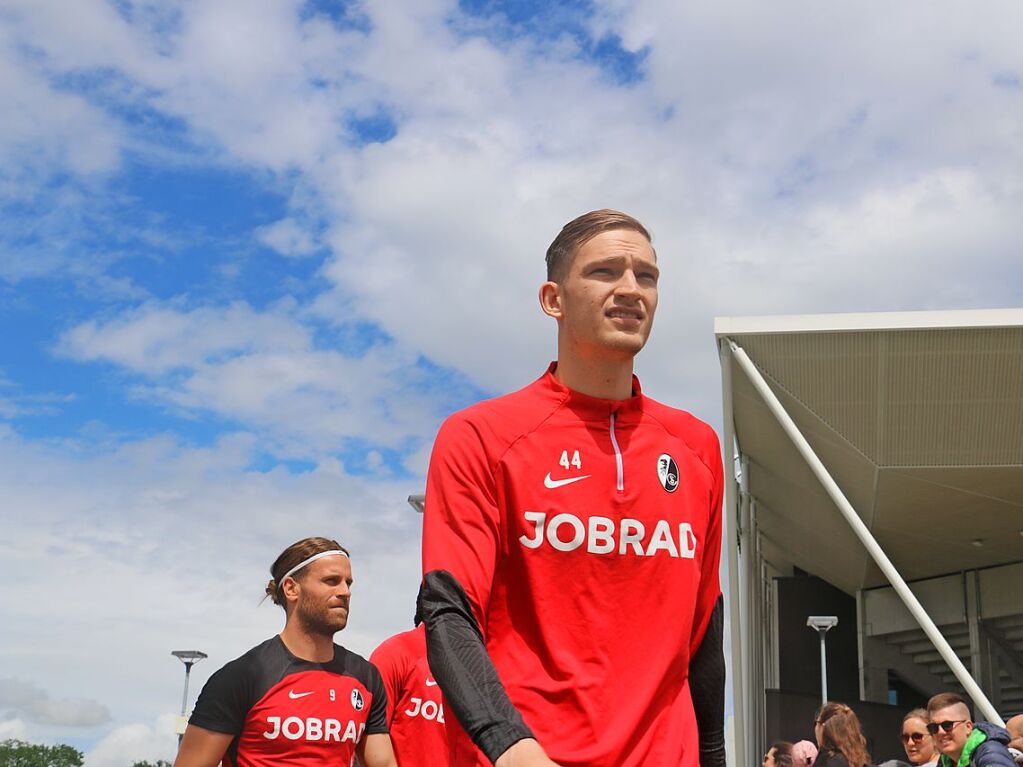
(627,285)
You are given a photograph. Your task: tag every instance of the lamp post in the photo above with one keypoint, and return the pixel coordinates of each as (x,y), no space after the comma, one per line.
(417,502)
(189,658)
(822,624)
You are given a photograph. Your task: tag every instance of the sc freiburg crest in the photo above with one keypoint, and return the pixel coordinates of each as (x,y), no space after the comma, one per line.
(357,702)
(667,472)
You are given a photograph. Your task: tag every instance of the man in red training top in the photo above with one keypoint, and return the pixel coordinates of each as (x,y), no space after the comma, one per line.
(415,706)
(297,699)
(572,540)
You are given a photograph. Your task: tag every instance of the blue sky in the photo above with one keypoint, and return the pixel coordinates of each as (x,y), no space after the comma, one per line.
(249,261)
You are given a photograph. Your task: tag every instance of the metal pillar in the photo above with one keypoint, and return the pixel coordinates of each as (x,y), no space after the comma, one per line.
(743,751)
(864,535)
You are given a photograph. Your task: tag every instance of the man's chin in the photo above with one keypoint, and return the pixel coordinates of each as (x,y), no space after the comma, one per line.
(626,344)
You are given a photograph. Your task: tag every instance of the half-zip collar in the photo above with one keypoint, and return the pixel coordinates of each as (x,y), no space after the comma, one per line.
(615,413)
(594,408)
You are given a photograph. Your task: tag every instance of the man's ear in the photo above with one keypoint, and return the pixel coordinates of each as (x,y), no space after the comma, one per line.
(289,589)
(550,300)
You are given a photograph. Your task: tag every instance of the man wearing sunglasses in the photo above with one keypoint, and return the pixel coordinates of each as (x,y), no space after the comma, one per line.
(962,742)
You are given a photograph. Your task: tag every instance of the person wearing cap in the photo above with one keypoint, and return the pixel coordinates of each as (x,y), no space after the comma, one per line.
(803,753)
(297,699)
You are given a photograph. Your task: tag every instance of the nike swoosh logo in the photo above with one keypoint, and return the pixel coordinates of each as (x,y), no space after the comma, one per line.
(430,682)
(550,484)
(296,695)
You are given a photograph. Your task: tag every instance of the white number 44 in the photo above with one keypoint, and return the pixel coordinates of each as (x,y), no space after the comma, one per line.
(564,462)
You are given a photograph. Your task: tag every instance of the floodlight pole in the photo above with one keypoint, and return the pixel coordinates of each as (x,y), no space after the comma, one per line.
(822,624)
(189,658)
(865,537)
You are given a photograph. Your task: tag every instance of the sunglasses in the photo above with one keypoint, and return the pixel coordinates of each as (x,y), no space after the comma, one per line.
(947,726)
(916,737)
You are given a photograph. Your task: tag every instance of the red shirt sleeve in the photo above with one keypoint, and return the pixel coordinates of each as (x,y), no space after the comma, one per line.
(462,521)
(710,582)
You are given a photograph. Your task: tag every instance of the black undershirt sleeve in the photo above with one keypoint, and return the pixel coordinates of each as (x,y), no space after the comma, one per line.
(463,669)
(707,687)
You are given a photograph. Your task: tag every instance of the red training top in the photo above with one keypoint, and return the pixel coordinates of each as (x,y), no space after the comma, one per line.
(415,706)
(587,536)
(284,710)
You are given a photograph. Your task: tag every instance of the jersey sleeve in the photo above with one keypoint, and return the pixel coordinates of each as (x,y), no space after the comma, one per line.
(225,701)
(392,663)
(376,722)
(462,522)
(710,563)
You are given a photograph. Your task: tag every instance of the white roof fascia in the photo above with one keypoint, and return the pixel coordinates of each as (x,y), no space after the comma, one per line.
(867,321)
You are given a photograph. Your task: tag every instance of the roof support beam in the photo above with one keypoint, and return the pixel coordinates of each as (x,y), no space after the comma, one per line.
(864,535)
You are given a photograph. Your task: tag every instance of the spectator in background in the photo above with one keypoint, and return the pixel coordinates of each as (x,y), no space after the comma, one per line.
(779,755)
(919,745)
(1015,728)
(804,753)
(961,742)
(839,737)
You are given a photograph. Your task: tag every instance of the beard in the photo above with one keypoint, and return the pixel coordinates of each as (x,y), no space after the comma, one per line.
(321,619)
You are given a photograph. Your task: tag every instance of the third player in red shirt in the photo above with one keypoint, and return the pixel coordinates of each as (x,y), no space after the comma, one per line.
(415,706)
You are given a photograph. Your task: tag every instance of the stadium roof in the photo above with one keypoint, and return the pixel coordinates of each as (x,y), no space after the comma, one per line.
(918,416)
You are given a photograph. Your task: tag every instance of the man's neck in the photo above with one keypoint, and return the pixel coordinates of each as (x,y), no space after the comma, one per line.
(306,645)
(605,379)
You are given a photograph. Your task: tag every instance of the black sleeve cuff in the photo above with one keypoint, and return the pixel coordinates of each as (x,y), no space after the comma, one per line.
(707,687)
(460,664)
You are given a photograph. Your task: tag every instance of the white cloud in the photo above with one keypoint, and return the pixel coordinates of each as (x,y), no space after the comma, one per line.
(26,701)
(12,729)
(130,743)
(155,339)
(263,369)
(287,237)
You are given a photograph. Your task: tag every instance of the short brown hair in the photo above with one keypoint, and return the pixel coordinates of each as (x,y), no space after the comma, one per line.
(291,556)
(579,231)
(944,700)
(782,753)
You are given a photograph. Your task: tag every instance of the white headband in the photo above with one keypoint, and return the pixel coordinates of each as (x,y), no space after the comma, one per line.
(305,562)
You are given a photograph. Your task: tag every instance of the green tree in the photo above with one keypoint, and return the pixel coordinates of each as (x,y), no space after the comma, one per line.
(18,753)
(157,763)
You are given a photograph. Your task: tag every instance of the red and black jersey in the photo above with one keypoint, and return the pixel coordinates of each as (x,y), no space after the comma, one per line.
(415,706)
(586,534)
(283,710)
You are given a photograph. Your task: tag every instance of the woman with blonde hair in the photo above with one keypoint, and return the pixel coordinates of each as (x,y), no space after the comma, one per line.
(919,745)
(839,737)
